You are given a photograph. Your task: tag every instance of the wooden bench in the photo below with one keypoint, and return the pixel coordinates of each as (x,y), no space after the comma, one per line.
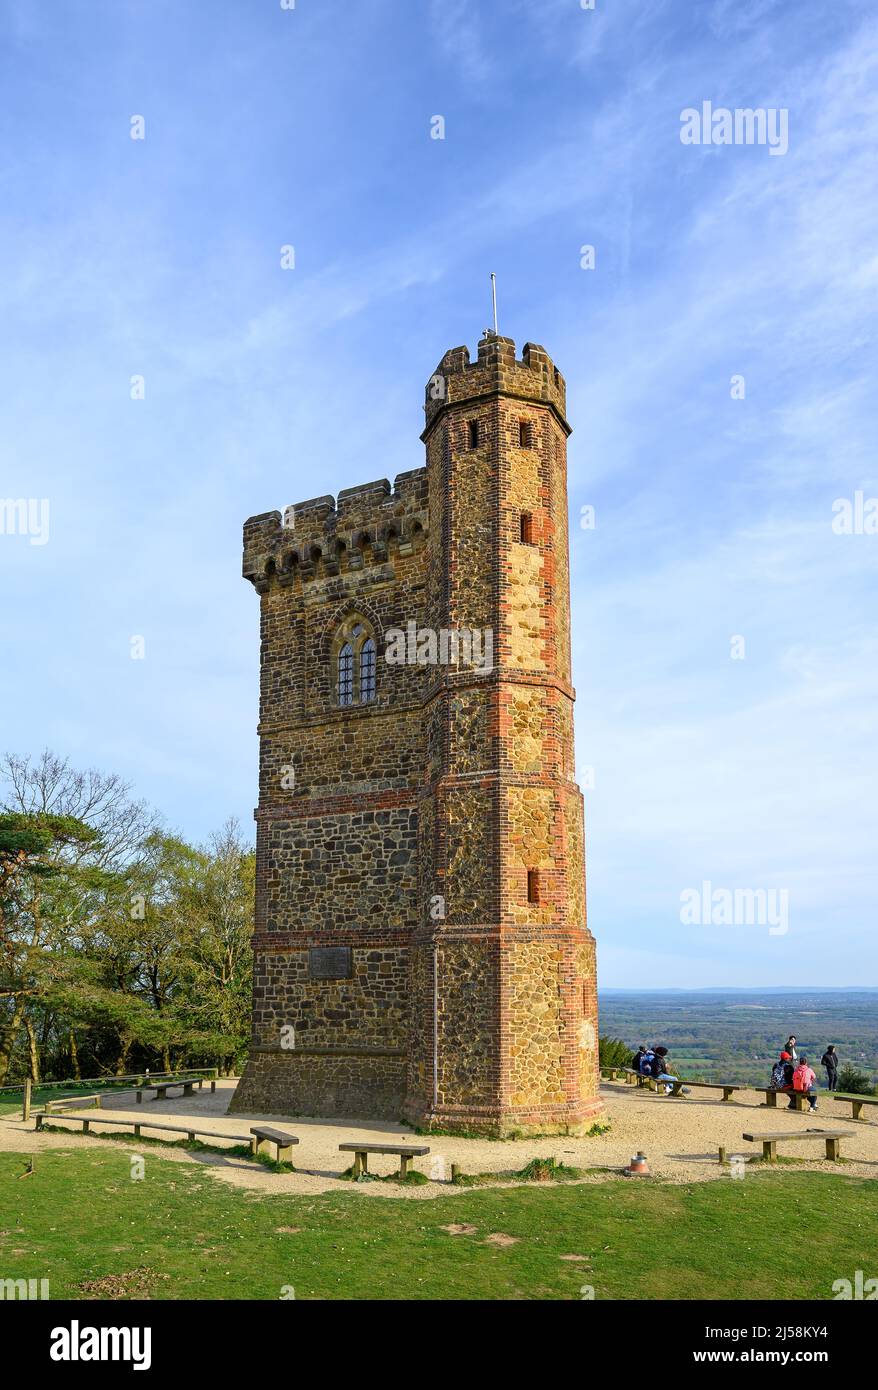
(138,1125)
(652,1082)
(67,1102)
(832,1138)
(727,1090)
(670,1088)
(161,1088)
(361,1151)
(856,1103)
(800,1099)
(633,1077)
(282,1142)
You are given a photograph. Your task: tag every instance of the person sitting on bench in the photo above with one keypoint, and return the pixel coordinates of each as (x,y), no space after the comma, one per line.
(803,1080)
(645,1061)
(635,1060)
(660,1066)
(782,1074)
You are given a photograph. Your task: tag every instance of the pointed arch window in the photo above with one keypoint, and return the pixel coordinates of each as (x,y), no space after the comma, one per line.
(367,671)
(346,675)
(356,663)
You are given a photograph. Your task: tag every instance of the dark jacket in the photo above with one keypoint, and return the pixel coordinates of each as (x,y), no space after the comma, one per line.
(659,1065)
(829,1060)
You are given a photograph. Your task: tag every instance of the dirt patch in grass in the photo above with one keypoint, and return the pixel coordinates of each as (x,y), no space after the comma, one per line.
(136,1283)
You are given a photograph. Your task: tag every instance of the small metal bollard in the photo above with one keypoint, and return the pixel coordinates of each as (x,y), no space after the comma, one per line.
(638,1167)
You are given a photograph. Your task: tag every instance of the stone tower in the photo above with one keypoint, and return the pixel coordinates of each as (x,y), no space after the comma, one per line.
(421,949)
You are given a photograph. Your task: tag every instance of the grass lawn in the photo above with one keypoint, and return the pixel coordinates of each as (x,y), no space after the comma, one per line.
(182,1233)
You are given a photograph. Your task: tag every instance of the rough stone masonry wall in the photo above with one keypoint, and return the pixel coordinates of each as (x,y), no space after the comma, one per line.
(354,749)
(368,1010)
(531,844)
(585,978)
(447,788)
(527,721)
(469,532)
(556,445)
(468,1024)
(338,822)
(509,815)
(575,857)
(299,1083)
(470,821)
(535,1017)
(331,872)
(525,572)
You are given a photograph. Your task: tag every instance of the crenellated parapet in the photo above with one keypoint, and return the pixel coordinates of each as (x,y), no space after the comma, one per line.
(496,371)
(324,536)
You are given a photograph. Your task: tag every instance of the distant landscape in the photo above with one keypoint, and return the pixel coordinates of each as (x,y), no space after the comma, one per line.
(735,1035)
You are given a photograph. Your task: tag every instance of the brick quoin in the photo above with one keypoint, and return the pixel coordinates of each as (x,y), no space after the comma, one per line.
(421,948)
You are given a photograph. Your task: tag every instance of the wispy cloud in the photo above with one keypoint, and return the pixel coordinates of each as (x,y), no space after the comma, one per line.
(456,26)
(263,387)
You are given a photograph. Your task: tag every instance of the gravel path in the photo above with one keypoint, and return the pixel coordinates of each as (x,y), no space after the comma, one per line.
(679,1137)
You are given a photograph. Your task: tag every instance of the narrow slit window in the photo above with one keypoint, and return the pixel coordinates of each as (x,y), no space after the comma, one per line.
(367,671)
(346,675)
(533,886)
(474,434)
(525,435)
(527,529)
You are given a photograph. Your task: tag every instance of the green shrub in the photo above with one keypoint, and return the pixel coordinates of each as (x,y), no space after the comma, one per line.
(613,1052)
(546,1170)
(851,1079)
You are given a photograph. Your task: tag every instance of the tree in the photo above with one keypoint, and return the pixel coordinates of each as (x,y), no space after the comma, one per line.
(40,867)
(120,944)
(613,1052)
(48,785)
(851,1079)
(219,912)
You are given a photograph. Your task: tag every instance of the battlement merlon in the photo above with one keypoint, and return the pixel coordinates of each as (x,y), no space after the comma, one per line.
(495,372)
(316,531)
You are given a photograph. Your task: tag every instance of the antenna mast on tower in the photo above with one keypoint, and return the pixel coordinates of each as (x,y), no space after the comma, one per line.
(493,333)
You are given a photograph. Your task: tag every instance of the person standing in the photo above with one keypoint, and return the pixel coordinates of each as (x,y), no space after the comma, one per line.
(790,1047)
(829,1060)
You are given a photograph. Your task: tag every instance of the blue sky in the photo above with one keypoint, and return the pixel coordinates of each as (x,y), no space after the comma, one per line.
(263,386)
